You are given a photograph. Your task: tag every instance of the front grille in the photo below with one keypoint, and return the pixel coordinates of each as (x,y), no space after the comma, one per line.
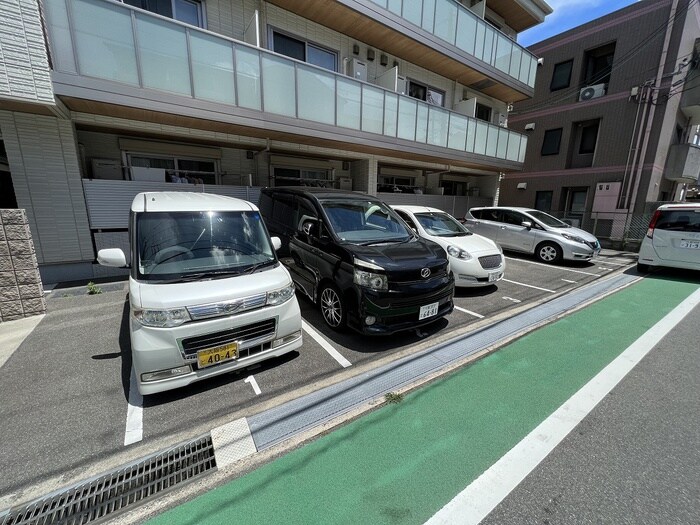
(489,262)
(241,334)
(592,245)
(105,496)
(413,275)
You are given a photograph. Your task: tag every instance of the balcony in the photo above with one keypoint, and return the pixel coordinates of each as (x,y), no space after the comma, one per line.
(520,14)
(111,59)
(683,164)
(439,35)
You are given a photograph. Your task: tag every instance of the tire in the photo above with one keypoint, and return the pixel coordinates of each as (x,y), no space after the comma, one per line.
(643,268)
(332,307)
(549,253)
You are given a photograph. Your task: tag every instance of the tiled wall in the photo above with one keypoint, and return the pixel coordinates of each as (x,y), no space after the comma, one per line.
(21,292)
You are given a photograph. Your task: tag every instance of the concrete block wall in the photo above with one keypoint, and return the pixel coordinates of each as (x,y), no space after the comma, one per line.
(21,291)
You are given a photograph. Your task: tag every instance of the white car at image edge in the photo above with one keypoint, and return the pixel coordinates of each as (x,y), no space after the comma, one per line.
(474,260)
(673,238)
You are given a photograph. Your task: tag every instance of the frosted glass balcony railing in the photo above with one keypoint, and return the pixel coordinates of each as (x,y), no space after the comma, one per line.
(450,21)
(112,41)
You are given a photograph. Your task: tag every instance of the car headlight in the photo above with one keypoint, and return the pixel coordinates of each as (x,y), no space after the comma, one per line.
(458,253)
(280,296)
(369,279)
(573,238)
(166,318)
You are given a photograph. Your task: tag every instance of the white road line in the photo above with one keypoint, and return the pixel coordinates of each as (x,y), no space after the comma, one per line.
(513,300)
(134,413)
(477,501)
(557,267)
(469,312)
(325,344)
(568,281)
(617,264)
(254,384)
(605,269)
(528,286)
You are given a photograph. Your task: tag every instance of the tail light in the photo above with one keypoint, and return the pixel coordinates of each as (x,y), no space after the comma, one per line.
(652,223)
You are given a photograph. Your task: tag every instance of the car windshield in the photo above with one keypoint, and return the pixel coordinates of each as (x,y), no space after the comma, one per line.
(684,220)
(366,222)
(200,244)
(548,220)
(441,225)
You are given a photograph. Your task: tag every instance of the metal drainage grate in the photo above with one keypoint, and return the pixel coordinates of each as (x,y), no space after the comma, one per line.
(102,497)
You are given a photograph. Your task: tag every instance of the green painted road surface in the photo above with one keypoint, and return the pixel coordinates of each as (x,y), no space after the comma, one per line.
(403,462)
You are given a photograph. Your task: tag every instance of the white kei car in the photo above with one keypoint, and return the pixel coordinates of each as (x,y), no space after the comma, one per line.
(673,238)
(474,260)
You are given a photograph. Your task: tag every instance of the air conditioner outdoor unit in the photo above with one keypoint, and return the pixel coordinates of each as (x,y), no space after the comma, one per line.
(590,92)
(355,69)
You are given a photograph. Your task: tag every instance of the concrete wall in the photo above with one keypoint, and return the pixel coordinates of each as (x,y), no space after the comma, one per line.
(21,292)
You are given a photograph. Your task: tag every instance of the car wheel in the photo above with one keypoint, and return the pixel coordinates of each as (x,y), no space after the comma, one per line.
(549,252)
(332,307)
(643,268)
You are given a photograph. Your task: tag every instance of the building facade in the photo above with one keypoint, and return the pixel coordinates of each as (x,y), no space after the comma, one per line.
(101,99)
(613,123)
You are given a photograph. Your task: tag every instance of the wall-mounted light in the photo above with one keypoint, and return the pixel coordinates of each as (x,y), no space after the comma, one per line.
(540,61)
(370,54)
(355,49)
(383,59)
(530,126)
(522,185)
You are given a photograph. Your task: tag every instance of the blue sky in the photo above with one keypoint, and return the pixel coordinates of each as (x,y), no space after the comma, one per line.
(568,14)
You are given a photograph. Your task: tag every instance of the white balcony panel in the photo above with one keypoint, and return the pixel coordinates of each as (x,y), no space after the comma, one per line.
(104,41)
(391,114)
(481,135)
(516,58)
(407,119)
(479,44)
(248,78)
(492,141)
(466,32)
(438,122)
(395,6)
(457,137)
(317,95)
(422,124)
(428,15)
(489,39)
(513,151)
(524,76)
(279,88)
(413,12)
(349,96)
(372,109)
(212,68)
(61,41)
(446,20)
(163,54)
(471,136)
(504,49)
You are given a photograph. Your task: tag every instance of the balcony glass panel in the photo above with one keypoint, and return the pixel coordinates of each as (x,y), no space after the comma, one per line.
(513,147)
(503,52)
(407,118)
(395,6)
(212,68)
(279,88)
(428,15)
(482,130)
(422,124)
(466,32)
(516,58)
(438,121)
(446,20)
(479,45)
(524,76)
(533,72)
(372,109)
(104,41)
(391,114)
(491,141)
(523,147)
(248,78)
(61,41)
(458,132)
(348,95)
(502,147)
(163,53)
(413,11)
(471,136)
(489,39)
(317,100)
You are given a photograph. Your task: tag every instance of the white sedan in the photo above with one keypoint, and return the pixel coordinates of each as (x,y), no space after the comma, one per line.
(474,260)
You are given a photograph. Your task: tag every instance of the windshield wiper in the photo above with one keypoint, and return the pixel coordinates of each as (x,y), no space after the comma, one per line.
(383,241)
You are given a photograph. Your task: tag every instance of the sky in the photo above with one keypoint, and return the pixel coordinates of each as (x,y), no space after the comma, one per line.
(568,14)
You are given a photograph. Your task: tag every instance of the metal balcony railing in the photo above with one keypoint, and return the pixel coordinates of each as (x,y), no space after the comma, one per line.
(112,41)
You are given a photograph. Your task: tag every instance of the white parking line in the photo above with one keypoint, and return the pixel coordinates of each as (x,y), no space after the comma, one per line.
(325,344)
(617,264)
(528,286)
(557,267)
(469,312)
(251,380)
(605,269)
(134,413)
(569,281)
(512,300)
(477,501)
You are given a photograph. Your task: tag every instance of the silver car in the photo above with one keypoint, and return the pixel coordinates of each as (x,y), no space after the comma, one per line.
(533,231)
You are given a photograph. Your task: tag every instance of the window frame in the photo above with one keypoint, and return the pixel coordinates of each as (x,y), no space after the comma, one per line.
(428,90)
(552,87)
(307,43)
(548,133)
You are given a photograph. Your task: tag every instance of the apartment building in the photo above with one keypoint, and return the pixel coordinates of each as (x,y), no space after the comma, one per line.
(102,99)
(613,124)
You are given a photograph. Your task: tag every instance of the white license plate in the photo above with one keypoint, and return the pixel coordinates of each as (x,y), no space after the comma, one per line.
(494,277)
(690,244)
(428,310)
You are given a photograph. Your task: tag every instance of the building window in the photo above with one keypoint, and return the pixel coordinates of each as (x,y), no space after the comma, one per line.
(188,11)
(304,51)
(483,112)
(589,137)
(396,184)
(156,168)
(561,78)
(302,177)
(543,200)
(551,142)
(422,92)
(575,200)
(598,64)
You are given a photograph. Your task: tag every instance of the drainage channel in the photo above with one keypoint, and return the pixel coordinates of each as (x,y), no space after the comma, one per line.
(105,496)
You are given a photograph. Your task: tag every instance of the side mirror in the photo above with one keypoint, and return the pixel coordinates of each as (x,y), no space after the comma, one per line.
(527,224)
(310,228)
(112,257)
(276,243)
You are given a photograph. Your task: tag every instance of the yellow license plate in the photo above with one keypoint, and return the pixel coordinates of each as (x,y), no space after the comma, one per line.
(216,355)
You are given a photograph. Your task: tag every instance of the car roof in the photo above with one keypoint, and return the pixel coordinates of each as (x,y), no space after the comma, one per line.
(680,206)
(320,193)
(163,201)
(416,209)
(512,208)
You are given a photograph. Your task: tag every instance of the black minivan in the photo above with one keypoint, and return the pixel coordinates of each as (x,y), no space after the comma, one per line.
(351,253)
